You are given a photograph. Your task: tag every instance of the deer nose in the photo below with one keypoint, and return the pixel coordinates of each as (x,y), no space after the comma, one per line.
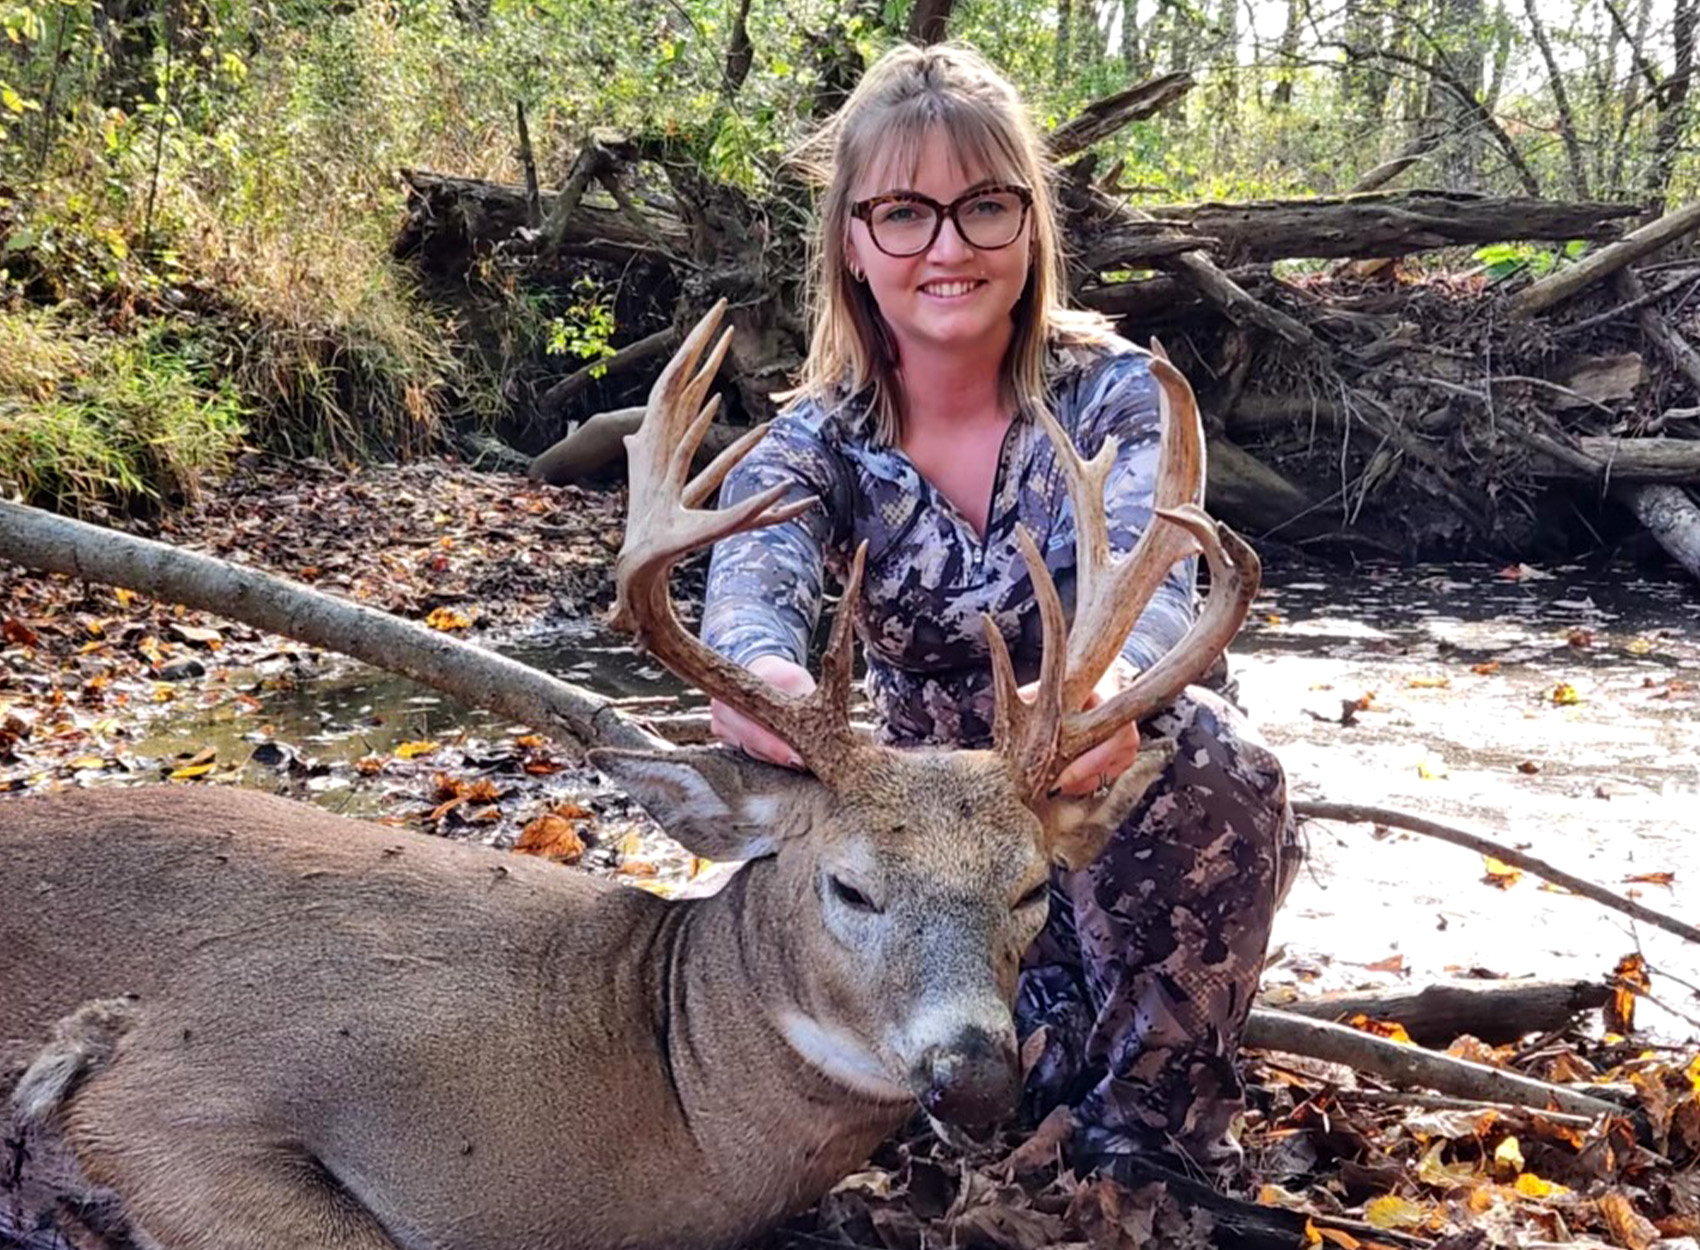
(973,1081)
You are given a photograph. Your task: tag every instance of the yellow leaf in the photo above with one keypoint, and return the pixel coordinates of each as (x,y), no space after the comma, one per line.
(1392,1211)
(1501,873)
(448,619)
(411,750)
(88,761)
(191,770)
(1694,1075)
(1640,646)
(1429,683)
(1509,1155)
(1432,770)
(1564,694)
(1532,1186)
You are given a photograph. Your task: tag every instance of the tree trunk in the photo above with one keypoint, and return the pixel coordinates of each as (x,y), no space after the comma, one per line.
(1672,517)
(1673,106)
(1561,97)
(1459,56)
(1065,41)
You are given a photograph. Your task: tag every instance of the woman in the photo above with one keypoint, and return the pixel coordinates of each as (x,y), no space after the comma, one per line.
(939,332)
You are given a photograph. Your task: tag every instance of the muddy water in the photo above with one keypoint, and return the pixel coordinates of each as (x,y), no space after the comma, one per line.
(1454,675)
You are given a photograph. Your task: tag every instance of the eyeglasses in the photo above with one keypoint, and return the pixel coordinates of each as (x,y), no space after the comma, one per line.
(907,224)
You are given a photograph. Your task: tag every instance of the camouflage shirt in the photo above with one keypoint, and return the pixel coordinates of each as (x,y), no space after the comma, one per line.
(929,577)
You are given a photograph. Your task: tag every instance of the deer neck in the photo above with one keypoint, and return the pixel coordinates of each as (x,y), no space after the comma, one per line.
(763,1080)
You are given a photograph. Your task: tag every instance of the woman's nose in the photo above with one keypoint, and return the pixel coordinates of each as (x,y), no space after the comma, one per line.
(949,245)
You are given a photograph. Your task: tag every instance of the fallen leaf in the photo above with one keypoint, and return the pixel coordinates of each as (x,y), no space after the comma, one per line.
(1393,963)
(1432,770)
(1508,1156)
(412,750)
(1628,979)
(1392,1030)
(1528,768)
(1429,683)
(18,634)
(190,771)
(447,619)
(551,837)
(1639,646)
(369,765)
(1564,695)
(1532,1186)
(1629,1228)
(1486,669)
(637,868)
(1580,637)
(1652,878)
(1391,1211)
(1501,874)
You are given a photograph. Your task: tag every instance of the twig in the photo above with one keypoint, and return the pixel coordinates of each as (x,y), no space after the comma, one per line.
(1355,813)
(1412,1065)
(1446,1102)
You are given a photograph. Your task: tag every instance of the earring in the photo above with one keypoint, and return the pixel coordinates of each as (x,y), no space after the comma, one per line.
(855,273)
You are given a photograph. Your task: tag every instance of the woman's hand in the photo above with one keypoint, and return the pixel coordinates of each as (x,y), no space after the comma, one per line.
(742,732)
(1115,755)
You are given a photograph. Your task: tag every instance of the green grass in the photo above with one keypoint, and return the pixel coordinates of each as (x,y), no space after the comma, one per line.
(91,418)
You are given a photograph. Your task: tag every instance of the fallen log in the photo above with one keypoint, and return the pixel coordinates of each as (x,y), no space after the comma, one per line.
(1102,118)
(485,214)
(1412,1065)
(569,388)
(596,450)
(1495,1011)
(1627,460)
(1387,223)
(1605,262)
(1671,517)
(470,674)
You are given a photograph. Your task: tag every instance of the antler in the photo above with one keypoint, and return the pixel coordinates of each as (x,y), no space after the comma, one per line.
(665,521)
(1042,738)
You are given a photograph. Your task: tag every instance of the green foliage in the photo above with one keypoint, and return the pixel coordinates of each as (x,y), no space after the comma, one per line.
(586,327)
(89,418)
(1504,260)
(225,171)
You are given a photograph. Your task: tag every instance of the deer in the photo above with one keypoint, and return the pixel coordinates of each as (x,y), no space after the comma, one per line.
(229,1020)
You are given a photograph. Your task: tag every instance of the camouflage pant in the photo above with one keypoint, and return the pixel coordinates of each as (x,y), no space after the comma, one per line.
(1144,974)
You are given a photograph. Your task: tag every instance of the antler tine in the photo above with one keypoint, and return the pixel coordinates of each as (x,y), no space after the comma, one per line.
(1235,574)
(1110,594)
(1028,734)
(665,522)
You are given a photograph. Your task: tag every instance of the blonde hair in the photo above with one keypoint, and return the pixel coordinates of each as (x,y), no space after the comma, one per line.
(903,96)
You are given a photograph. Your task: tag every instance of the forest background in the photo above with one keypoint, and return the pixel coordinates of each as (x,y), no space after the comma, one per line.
(199,198)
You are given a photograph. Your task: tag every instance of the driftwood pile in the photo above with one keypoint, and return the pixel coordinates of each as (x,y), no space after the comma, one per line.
(1357,393)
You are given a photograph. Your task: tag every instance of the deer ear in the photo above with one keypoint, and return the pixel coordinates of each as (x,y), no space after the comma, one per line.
(1078,829)
(716,801)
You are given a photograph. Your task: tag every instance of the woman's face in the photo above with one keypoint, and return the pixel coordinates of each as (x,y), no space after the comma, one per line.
(951,296)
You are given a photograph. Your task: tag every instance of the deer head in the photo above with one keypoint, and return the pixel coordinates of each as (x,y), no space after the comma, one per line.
(905,885)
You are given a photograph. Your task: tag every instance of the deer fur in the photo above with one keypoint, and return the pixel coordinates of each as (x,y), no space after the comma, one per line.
(260,1025)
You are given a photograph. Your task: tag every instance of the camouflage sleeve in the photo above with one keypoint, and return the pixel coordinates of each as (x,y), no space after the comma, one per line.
(1123,404)
(764,586)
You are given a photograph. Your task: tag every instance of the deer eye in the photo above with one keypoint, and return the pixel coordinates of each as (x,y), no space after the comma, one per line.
(1038,894)
(850,896)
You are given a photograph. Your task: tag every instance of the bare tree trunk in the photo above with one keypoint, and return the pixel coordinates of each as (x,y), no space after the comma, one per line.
(1133,56)
(1456,92)
(1673,107)
(1065,39)
(1501,58)
(1288,58)
(929,21)
(1225,99)
(1566,118)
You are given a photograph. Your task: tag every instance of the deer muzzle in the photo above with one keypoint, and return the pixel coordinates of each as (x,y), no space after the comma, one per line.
(973,1080)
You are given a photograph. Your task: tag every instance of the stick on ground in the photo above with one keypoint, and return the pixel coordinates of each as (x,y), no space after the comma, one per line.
(1354,813)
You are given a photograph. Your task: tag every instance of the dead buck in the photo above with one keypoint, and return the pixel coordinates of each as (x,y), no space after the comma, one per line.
(238,1022)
